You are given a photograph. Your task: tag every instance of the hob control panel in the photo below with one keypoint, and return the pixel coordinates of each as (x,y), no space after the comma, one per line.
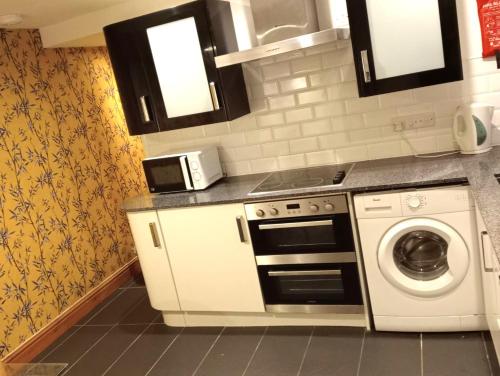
(297,208)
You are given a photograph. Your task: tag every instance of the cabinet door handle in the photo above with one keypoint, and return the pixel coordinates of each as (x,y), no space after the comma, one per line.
(146,118)
(213,94)
(366,66)
(239,223)
(154,235)
(486,269)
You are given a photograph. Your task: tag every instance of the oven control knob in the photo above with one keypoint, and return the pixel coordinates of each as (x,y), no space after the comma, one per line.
(260,213)
(329,207)
(274,211)
(314,208)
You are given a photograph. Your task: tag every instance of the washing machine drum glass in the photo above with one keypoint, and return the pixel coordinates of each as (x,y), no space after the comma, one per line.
(421,255)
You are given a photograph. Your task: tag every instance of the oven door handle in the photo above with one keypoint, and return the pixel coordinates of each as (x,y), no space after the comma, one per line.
(276,226)
(301,273)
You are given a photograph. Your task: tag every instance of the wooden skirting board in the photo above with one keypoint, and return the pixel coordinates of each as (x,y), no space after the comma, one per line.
(46,336)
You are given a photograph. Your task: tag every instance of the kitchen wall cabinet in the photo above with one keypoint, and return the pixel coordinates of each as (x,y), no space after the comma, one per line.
(404,44)
(165,69)
(490,270)
(154,261)
(212,258)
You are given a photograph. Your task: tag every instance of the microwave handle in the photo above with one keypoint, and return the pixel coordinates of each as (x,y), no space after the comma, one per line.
(185,172)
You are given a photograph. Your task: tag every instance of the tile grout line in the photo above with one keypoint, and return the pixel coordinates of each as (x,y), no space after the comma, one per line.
(126,349)
(163,353)
(422,354)
(255,351)
(88,350)
(485,348)
(305,351)
(62,343)
(361,353)
(105,306)
(208,352)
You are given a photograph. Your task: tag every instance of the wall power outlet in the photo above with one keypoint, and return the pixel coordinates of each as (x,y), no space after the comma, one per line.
(409,122)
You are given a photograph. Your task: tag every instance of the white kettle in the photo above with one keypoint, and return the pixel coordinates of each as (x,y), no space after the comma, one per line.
(472,127)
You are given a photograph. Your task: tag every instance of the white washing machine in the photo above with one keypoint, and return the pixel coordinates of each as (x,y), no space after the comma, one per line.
(421,257)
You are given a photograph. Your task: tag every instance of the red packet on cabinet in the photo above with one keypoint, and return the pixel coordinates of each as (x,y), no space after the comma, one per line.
(489,19)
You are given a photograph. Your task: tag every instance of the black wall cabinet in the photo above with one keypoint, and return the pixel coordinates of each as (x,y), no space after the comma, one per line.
(401,45)
(165,69)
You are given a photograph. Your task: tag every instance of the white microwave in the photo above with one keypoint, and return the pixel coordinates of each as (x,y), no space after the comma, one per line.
(186,170)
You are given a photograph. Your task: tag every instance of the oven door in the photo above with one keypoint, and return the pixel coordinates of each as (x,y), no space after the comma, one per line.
(168,174)
(314,234)
(311,288)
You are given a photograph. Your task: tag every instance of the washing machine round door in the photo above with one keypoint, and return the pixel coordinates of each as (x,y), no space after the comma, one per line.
(423,257)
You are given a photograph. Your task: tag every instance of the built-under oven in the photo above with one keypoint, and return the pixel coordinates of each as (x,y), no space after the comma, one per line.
(305,255)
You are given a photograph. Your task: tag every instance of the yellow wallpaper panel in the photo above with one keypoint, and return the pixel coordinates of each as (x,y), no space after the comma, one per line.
(66,164)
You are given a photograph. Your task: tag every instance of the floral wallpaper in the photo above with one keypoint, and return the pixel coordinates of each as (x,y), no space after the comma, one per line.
(66,165)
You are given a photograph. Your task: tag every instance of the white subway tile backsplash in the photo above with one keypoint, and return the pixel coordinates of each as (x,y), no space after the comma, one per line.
(296,116)
(278,70)
(287,162)
(278,103)
(314,128)
(287,132)
(303,145)
(305,112)
(312,96)
(293,84)
(306,64)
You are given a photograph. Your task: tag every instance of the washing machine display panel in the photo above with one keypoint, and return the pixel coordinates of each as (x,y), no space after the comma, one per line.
(421,255)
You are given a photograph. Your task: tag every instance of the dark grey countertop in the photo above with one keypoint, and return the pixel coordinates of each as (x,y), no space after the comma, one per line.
(375,175)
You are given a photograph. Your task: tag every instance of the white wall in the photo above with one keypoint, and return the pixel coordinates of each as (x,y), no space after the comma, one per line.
(306,111)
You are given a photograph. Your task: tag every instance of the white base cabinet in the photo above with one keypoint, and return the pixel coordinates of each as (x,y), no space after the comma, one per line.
(155,265)
(212,259)
(490,270)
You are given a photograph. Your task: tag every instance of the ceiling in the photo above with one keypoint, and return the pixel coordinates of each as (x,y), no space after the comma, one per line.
(39,13)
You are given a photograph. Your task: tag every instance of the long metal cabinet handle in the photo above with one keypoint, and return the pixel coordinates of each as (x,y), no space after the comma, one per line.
(486,269)
(154,235)
(239,223)
(366,66)
(276,226)
(303,273)
(144,107)
(213,94)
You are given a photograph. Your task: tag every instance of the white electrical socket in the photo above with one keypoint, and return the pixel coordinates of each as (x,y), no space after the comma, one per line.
(409,122)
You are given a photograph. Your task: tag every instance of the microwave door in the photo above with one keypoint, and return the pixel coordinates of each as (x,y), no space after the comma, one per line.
(185,173)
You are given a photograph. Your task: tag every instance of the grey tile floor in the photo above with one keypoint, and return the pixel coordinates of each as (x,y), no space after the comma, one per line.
(125,336)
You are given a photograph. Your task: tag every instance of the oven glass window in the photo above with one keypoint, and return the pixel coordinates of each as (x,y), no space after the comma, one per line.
(300,235)
(310,284)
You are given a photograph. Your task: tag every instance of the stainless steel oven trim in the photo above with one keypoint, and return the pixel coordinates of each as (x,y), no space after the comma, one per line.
(302,273)
(307,308)
(307,258)
(277,226)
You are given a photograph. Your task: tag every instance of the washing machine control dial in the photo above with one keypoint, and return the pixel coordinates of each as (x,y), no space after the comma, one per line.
(414,202)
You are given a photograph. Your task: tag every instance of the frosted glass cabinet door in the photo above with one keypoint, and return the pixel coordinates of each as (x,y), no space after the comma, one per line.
(178,60)
(404,44)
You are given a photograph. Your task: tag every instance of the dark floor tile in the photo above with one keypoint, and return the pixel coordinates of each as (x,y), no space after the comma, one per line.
(159,319)
(136,281)
(105,352)
(55,344)
(280,352)
(77,344)
(145,352)
(391,354)
(232,352)
(119,308)
(333,351)
(99,307)
(492,355)
(142,313)
(186,353)
(454,354)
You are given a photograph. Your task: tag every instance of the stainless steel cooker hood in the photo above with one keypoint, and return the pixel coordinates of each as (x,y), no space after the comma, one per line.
(271,27)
